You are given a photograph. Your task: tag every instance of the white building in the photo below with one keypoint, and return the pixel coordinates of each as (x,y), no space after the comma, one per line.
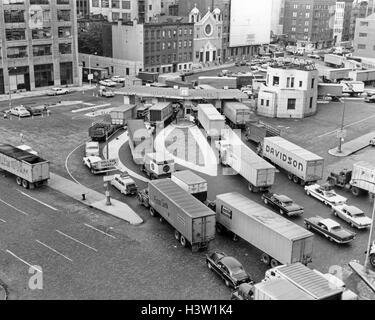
(207,35)
(277,16)
(290,91)
(338,27)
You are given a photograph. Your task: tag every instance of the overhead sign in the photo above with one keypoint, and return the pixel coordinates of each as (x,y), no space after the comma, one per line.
(108,178)
(341,134)
(90,76)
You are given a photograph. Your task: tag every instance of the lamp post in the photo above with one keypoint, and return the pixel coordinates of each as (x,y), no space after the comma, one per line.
(90,75)
(339,148)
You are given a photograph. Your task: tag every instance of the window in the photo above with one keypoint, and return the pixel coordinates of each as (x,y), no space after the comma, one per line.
(311,102)
(307,15)
(294,14)
(180,44)
(95,3)
(31,1)
(116,4)
(63,15)
(126,16)
(362,35)
(43,75)
(115,16)
(126,5)
(65,48)
(290,82)
(363,23)
(14,16)
(105,3)
(300,84)
(64,32)
(44,33)
(63,1)
(42,50)
(361,46)
(267,103)
(312,83)
(261,102)
(291,104)
(15,34)
(17,52)
(276,81)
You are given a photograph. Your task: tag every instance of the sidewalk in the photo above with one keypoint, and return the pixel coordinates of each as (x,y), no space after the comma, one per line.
(38,93)
(93,199)
(353,146)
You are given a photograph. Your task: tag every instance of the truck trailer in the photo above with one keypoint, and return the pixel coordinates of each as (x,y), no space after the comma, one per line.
(194,223)
(334,60)
(301,165)
(280,240)
(192,183)
(211,120)
(29,169)
(120,115)
(237,114)
(256,131)
(158,164)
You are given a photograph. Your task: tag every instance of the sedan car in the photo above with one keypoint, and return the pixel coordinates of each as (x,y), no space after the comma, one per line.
(370,99)
(118,79)
(325,194)
(20,111)
(57,91)
(330,229)
(283,204)
(352,215)
(228,268)
(314,56)
(107,83)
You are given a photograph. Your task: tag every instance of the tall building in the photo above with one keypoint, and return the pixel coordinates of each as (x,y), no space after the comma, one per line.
(114,10)
(38,44)
(360,9)
(164,45)
(341,29)
(309,22)
(83,8)
(364,37)
(277,17)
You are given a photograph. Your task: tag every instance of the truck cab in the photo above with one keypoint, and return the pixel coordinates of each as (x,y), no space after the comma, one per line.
(245,291)
(158,164)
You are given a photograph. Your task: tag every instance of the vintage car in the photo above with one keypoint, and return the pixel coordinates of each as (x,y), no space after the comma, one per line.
(282,203)
(325,194)
(118,79)
(57,91)
(20,111)
(124,183)
(330,229)
(107,83)
(228,268)
(353,215)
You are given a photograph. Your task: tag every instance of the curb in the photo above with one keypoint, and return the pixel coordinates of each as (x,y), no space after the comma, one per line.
(3,293)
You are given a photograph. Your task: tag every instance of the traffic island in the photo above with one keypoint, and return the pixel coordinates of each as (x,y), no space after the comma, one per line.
(353,146)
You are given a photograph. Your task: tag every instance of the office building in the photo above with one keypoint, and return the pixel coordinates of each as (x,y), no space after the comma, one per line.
(341,29)
(364,37)
(360,9)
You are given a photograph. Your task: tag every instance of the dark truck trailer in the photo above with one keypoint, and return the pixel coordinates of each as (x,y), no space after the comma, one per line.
(99,131)
(256,131)
(30,170)
(148,77)
(194,223)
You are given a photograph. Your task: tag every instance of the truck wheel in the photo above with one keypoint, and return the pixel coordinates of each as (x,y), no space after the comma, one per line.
(274,263)
(219,229)
(25,184)
(296,179)
(352,224)
(356,191)
(281,211)
(290,176)
(372,260)
(334,212)
(139,198)
(19,181)
(177,235)
(209,265)
(265,201)
(251,187)
(152,212)
(308,227)
(265,258)
(308,192)
(183,241)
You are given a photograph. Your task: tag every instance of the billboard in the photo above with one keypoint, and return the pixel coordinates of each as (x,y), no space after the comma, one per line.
(250,22)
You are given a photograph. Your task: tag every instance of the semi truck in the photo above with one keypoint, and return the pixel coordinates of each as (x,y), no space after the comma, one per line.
(358,180)
(256,131)
(194,223)
(259,173)
(237,114)
(329,90)
(158,164)
(97,165)
(211,120)
(29,169)
(100,130)
(280,240)
(301,165)
(334,60)
(354,88)
(161,113)
(120,115)
(148,77)
(192,183)
(311,282)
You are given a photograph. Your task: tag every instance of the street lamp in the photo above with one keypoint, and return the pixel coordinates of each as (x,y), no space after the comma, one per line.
(339,148)
(90,75)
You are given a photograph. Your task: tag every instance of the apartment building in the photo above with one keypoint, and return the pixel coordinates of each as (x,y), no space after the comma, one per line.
(341,29)
(83,8)
(360,9)
(364,37)
(38,44)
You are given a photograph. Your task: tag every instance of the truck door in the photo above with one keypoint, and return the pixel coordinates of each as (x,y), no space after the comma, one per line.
(199,230)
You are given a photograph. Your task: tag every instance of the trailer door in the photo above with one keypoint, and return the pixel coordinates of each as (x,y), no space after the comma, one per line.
(203,229)
(314,170)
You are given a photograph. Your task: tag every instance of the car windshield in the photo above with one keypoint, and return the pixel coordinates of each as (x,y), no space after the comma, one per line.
(237,270)
(358,215)
(336,228)
(287,203)
(92,148)
(330,194)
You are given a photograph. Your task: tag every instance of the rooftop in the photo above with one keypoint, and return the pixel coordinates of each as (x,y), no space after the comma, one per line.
(298,64)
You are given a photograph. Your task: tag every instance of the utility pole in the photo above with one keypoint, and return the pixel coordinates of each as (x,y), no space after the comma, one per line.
(107,193)
(366,264)
(339,150)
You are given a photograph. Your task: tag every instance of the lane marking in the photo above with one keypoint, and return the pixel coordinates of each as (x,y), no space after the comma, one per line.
(65,235)
(9,205)
(23,261)
(66,162)
(2,220)
(109,235)
(55,251)
(348,125)
(41,202)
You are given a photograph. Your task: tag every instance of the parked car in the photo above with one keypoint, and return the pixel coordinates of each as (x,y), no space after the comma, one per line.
(107,83)
(282,203)
(325,194)
(330,229)
(370,99)
(105,92)
(124,183)
(36,110)
(353,215)
(228,268)
(118,79)
(20,111)
(57,91)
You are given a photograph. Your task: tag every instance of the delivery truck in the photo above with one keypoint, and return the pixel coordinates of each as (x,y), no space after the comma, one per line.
(192,183)
(120,115)
(148,77)
(301,165)
(140,140)
(312,283)
(280,240)
(329,90)
(237,114)
(160,114)
(211,120)
(99,131)
(194,223)
(97,165)
(359,180)
(29,169)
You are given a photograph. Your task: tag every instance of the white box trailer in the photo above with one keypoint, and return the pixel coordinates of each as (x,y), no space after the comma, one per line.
(280,240)
(354,88)
(120,115)
(334,59)
(30,170)
(363,177)
(301,165)
(237,114)
(192,183)
(158,164)
(211,120)
(194,223)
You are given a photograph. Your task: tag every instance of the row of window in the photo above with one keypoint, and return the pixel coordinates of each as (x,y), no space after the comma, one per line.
(167,45)
(115,4)
(291,104)
(35,1)
(157,34)
(363,47)
(168,58)
(16,34)
(18,16)
(289,82)
(38,50)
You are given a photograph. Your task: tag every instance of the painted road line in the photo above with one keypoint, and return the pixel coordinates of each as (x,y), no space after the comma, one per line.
(23,261)
(65,235)
(41,202)
(66,163)
(91,227)
(1,220)
(9,205)
(55,251)
(92,108)
(348,125)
